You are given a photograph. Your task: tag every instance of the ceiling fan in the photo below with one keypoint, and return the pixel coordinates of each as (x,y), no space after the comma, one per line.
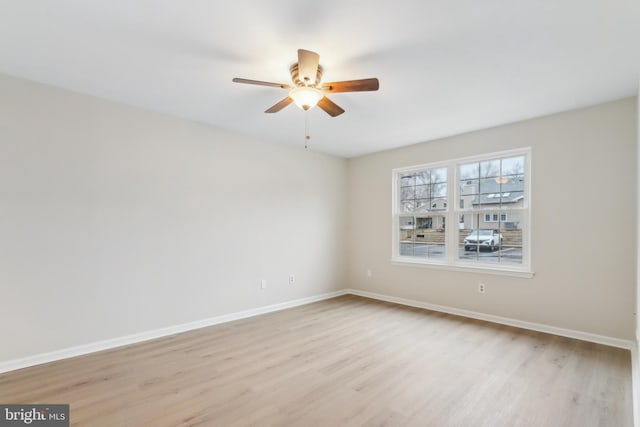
(307,89)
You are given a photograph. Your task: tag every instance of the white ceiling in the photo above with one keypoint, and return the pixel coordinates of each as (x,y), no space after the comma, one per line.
(445,66)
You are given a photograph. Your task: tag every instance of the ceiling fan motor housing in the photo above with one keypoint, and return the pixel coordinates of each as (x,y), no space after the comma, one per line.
(295,76)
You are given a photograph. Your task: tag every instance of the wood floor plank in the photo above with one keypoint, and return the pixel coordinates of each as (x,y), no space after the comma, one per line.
(348,361)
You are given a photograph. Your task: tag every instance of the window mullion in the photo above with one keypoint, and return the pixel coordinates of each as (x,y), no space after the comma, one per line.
(452,218)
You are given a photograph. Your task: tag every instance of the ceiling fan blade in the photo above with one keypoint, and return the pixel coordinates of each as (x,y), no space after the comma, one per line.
(330,107)
(307,65)
(280,105)
(352,86)
(259,83)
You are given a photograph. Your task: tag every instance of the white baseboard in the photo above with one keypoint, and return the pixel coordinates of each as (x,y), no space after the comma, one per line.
(569,333)
(156,333)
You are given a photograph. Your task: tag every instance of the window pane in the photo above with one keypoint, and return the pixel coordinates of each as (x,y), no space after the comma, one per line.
(407,193)
(470,186)
(422,178)
(438,175)
(468,171)
(407,223)
(468,190)
(490,169)
(422,205)
(424,223)
(484,238)
(439,204)
(407,206)
(513,166)
(498,196)
(439,190)
(422,236)
(511,251)
(515,199)
(489,185)
(423,191)
(407,180)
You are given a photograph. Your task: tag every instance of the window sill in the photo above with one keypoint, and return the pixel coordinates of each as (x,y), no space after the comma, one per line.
(408,262)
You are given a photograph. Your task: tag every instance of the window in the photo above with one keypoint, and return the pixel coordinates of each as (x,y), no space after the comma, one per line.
(485,197)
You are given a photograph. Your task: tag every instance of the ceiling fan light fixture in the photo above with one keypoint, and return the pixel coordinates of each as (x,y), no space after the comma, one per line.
(306,97)
(307,91)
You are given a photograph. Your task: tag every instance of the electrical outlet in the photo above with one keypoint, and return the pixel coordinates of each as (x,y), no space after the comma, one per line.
(292,279)
(481,288)
(263,284)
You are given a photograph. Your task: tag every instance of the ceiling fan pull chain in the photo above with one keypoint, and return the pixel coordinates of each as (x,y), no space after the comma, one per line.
(307,137)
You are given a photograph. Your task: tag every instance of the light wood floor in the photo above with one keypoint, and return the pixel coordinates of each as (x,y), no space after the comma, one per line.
(348,361)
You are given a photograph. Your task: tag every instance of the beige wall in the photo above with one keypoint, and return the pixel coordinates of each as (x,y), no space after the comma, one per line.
(115,220)
(635,363)
(638,229)
(583,223)
(637,336)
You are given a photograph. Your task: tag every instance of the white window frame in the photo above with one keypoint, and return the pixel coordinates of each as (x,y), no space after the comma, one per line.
(452,215)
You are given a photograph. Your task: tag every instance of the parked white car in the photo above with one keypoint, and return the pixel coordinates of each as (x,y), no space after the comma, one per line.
(483,239)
